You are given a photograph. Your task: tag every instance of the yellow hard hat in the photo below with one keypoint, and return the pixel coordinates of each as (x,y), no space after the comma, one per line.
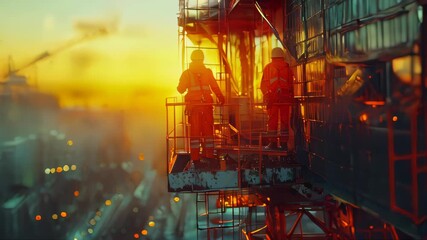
(277,53)
(197,55)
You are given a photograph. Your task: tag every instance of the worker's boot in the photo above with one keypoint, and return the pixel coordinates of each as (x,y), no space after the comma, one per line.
(195,155)
(210,158)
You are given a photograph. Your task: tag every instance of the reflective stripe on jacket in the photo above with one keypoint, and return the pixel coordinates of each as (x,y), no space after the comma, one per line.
(277,80)
(199,83)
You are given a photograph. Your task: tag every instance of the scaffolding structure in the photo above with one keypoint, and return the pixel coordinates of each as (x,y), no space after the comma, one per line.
(345,56)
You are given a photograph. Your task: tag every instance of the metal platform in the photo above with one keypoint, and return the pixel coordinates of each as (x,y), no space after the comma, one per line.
(252,168)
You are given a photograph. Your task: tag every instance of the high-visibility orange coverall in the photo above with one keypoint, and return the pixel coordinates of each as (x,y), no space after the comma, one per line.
(200,83)
(277,88)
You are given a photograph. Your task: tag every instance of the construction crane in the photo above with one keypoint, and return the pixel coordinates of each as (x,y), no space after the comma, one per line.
(89,31)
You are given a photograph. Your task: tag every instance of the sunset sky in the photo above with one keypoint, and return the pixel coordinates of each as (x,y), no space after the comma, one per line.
(135,56)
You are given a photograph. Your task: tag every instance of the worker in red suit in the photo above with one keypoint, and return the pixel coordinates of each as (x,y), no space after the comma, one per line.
(199,82)
(278,94)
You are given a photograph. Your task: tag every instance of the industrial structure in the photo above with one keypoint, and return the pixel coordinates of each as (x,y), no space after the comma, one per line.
(356,166)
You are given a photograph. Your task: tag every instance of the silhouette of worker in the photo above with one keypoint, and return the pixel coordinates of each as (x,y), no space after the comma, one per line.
(278,94)
(199,82)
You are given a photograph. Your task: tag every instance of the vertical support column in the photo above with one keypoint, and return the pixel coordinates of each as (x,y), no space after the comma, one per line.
(424,51)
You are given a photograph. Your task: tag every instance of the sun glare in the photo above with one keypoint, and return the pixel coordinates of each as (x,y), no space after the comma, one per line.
(128,59)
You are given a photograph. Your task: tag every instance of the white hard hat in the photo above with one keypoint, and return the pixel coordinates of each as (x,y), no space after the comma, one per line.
(197,55)
(277,53)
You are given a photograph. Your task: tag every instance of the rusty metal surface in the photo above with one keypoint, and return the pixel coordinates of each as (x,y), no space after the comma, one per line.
(195,180)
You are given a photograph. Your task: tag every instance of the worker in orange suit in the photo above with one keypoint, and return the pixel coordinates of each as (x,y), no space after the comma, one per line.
(278,94)
(199,82)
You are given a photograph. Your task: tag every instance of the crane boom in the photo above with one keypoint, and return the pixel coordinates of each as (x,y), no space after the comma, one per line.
(87,36)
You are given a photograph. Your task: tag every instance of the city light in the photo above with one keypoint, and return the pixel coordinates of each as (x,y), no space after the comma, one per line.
(59,169)
(92,222)
(38,217)
(363,117)
(66,168)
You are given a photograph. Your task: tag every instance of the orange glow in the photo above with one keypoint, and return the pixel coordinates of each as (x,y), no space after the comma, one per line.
(408,69)
(64,214)
(344,223)
(38,217)
(363,117)
(302,111)
(144,232)
(136,235)
(375,103)
(394,118)
(107,202)
(141,157)
(98,71)
(238,200)
(59,169)
(76,193)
